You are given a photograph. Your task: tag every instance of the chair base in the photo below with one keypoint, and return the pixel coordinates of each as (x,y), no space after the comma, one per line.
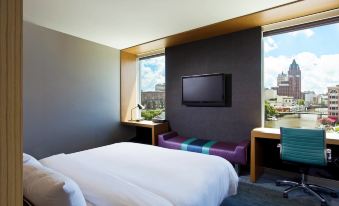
(308,188)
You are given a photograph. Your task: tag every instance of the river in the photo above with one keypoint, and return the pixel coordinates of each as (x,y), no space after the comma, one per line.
(293,120)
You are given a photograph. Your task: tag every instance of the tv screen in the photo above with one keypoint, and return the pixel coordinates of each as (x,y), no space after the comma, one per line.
(206,90)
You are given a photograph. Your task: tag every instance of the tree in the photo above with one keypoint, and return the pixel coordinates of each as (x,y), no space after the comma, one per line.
(150,114)
(269,110)
(301,102)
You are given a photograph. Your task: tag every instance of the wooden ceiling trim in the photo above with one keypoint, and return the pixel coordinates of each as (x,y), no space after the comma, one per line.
(277,14)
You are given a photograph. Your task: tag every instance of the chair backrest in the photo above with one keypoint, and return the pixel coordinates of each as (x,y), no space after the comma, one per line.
(306,146)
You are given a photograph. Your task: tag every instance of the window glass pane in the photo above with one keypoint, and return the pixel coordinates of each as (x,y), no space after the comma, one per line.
(301,78)
(152,86)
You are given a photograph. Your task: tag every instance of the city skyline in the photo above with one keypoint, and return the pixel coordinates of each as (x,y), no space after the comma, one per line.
(316,51)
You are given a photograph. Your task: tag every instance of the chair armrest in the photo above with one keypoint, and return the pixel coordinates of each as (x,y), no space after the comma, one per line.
(168,135)
(280,148)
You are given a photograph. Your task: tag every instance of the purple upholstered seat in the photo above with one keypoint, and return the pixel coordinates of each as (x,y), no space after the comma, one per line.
(235,153)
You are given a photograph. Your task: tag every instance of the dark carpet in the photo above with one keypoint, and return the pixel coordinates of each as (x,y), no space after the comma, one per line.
(266,193)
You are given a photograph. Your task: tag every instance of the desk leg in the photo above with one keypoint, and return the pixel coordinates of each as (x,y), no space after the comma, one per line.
(256,159)
(156,130)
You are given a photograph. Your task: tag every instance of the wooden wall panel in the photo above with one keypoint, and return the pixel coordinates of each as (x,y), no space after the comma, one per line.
(10,102)
(128,89)
(269,16)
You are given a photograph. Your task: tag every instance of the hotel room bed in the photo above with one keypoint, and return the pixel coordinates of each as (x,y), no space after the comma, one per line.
(137,174)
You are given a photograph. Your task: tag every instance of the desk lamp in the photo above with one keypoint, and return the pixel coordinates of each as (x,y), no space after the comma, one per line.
(139,106)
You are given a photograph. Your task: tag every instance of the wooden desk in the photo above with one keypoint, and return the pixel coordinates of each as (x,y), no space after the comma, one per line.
(272,133)
(157,128)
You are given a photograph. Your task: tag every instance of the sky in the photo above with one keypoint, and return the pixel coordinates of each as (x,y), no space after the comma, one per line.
(316,50)
(152,72)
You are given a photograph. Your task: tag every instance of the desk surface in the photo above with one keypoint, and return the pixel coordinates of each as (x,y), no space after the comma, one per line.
(144,123)
(274,133)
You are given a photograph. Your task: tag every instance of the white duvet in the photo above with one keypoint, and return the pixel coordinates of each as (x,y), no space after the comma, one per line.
(136,174)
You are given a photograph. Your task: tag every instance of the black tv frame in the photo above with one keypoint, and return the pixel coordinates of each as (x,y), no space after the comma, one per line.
(227,80)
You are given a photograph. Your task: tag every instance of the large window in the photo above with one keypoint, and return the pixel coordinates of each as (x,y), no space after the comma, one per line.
(152,86)
(301,78)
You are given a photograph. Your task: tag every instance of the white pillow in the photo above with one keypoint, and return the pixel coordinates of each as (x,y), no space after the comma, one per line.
(45,187)
(29,160)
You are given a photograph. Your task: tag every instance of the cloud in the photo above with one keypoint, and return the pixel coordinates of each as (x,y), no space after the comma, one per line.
(306,32)
(269,44)
(317,72)
(152,72)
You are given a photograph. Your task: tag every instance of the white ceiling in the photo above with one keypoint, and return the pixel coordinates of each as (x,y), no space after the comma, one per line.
(125,23)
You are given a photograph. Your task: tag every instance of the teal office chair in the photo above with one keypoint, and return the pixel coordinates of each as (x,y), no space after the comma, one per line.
(306,147)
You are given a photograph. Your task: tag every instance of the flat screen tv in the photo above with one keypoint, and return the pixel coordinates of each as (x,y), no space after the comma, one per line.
(207,90)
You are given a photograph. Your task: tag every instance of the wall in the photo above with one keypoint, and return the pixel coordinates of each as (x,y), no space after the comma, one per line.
(238,54)
(71,93)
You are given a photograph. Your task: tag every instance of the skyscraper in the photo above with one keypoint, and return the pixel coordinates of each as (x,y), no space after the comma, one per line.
(290,85)
(282,77)
(333,101)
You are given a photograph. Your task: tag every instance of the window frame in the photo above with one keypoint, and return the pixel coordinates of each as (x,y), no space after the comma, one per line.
(139,59)
(266,33)
(308,25)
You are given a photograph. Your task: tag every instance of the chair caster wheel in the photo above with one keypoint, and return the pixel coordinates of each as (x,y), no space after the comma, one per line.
(323,204)
(285,195)
(334,195)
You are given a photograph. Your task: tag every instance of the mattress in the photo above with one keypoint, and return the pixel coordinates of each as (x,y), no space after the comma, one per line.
(137,174)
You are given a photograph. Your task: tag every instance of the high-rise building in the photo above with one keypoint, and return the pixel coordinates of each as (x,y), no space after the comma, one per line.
(290,84)
(154,99)
(282,78)
(322,99)
(333,102)
(270,94)
(160,87)
(310,98)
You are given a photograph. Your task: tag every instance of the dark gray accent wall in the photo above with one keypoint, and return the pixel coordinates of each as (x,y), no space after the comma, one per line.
(71,93)
(238,54)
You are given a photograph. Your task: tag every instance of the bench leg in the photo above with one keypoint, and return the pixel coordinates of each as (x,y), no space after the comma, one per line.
(237,168)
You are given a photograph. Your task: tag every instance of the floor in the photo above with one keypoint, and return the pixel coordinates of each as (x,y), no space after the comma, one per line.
(266,193)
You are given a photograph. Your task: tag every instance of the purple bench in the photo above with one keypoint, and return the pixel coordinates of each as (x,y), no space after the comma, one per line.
(235,153)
